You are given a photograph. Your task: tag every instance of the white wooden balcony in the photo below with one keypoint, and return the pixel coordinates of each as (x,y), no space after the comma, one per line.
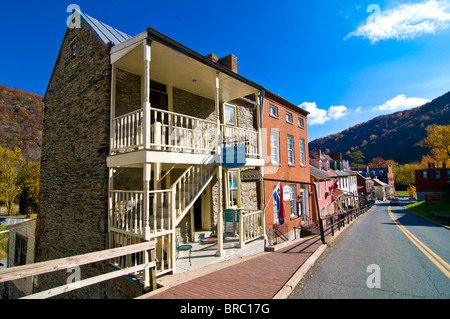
(173,133)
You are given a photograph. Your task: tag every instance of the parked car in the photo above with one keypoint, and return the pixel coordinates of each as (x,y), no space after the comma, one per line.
(394,202)
(412,199)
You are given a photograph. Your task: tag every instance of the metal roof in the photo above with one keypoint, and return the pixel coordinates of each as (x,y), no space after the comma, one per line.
(105,33)
(318,174)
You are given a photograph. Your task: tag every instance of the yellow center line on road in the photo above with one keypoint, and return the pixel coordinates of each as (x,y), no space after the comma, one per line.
(431,255)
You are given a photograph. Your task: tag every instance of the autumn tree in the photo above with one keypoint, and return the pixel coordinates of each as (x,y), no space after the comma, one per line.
(29,196)
(412,190)
(11,175)
(404,174)
(357,158)
(438,140)
(377,162)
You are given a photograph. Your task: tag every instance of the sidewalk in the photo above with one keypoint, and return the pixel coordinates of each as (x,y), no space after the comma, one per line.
(268,275)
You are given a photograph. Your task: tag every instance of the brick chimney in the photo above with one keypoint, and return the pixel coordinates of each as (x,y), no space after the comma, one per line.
(316,154)
(230,62)
(213,57)
(337,156)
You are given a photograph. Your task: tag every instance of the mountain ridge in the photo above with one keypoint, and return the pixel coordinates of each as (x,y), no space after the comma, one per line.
(401,131)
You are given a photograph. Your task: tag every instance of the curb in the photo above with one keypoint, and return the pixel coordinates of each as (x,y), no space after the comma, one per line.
(290,285)
(430,220)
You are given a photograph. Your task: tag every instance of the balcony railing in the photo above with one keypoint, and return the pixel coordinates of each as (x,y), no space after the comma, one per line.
(251,225)
(180,133)
(127,133)
(174,132)
(233,135)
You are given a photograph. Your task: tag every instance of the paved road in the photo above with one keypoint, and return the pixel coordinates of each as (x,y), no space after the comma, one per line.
(384,249)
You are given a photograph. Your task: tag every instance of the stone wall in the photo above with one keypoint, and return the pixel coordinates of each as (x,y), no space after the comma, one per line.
(74,176)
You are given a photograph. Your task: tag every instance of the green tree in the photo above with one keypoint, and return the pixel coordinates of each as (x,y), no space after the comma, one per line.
(11,175)
(357,158)
(438,138)
(29,196)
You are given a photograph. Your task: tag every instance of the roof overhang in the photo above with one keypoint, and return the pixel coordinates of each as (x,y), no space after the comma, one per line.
(176,65)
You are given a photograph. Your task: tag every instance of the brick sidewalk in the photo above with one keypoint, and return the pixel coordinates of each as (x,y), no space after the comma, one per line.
(257,278)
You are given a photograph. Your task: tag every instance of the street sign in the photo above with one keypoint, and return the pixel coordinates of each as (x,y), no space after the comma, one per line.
(433,198)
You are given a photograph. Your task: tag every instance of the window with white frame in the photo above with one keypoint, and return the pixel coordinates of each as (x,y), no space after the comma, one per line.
(233,188)
(229,114)
(289,118)
(275,146)
(301,123)
(302,152)
(273,110)
(290,146)
(293,200)
(319,193)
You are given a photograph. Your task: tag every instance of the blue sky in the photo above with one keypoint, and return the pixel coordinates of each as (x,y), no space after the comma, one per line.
(344,61)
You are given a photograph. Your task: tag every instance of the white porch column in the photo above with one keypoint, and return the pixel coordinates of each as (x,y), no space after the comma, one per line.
(113,105)
(219,174)
(259,103)
(147,170)
(146,104)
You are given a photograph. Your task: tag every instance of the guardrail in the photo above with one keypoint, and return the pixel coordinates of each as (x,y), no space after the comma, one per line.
(344,216)
(148,266)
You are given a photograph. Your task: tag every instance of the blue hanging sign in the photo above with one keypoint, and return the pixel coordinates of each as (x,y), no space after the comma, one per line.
(234,156)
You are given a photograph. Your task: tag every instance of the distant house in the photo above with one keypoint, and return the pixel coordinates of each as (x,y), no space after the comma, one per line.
(383,191)
(432,180)
(385,175)
(21,246)
(366,188)
(324,183)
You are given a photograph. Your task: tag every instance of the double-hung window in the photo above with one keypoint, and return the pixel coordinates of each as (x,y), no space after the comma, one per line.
(289,118)
(273,110)
(290,145)
(233,188)
(302,152)
(293,200)
(275,146)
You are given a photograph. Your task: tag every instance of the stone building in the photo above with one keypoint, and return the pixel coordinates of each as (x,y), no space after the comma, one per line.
(136,136)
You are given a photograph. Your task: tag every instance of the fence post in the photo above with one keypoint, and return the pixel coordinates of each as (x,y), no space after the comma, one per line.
(241,229)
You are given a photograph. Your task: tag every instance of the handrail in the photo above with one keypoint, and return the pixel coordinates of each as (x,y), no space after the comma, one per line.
(348,215)
(182,115)
(40,268)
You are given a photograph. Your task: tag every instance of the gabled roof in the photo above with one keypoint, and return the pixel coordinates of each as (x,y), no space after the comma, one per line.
(318,174)
(108,35)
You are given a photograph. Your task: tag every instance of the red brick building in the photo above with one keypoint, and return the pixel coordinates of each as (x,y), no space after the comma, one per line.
(432,180)
(285,139)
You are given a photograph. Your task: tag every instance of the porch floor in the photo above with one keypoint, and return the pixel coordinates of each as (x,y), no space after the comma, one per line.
(205,254)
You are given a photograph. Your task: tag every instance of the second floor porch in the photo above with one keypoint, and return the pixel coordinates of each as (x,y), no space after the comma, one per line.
(172,104)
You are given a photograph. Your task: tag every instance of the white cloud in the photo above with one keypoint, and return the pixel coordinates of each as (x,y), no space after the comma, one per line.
(320,116)
(316,115)
(358,109)
(336,112)
(400,103)
(406,21)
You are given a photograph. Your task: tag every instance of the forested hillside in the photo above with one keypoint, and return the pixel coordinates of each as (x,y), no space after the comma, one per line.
(21,121)
(391,136)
